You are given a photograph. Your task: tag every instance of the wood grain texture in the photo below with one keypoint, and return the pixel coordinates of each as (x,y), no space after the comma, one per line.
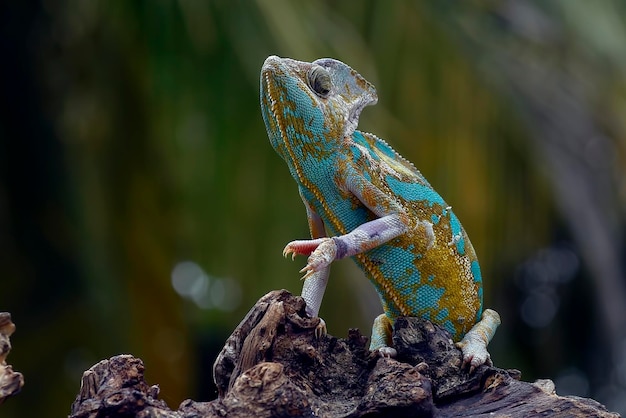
(11,382)
(274,366)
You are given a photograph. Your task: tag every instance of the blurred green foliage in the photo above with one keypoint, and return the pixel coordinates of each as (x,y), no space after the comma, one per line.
(131,140)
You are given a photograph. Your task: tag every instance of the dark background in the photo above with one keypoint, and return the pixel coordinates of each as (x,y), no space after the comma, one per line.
(143,211)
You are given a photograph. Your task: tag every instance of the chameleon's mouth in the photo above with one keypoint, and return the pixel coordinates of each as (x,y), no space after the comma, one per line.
(277,109)
(279,78)
(274,75)
(268,94)
(271,72)
(268,84)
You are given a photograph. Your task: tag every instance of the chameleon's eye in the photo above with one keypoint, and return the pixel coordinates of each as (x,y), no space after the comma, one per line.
(319,81)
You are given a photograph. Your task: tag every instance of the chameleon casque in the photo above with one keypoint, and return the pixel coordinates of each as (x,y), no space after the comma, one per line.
(363,200)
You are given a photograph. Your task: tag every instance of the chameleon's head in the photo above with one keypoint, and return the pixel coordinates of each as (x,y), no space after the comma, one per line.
(308,108)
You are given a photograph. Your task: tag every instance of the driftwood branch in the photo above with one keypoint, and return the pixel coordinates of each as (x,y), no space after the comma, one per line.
(273,366)
(10,382)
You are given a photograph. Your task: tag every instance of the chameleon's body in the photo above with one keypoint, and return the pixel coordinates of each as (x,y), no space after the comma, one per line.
(376,205)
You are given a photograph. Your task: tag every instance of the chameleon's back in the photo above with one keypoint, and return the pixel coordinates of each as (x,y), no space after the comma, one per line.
(432,270)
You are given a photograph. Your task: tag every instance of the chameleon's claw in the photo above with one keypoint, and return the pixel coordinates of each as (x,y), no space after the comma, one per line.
(308,272)
(324,254)
(387,352)
(474,360)
(474,343)
(289,250)
(302,247)
(320,329)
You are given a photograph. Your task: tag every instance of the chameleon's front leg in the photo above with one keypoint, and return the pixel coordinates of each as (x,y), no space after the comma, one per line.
(314,286)
(313,292)
(314,283)
(324,251)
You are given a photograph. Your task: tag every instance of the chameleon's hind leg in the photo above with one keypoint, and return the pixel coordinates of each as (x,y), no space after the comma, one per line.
(474,344)
(381,336)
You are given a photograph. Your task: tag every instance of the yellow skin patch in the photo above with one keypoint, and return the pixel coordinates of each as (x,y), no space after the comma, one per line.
(431,245)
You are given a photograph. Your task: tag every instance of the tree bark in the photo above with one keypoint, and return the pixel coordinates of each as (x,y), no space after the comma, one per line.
(10,382)
(274,366)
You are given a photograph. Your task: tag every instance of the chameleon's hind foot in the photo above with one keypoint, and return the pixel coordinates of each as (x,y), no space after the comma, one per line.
(381,337)
(387,352)
(474,344)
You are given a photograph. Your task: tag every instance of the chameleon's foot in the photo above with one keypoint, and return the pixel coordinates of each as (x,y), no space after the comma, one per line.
(320,329)
(475,354)
(320,258)
(381,337)
(474,344)
(387,352)
(302,247)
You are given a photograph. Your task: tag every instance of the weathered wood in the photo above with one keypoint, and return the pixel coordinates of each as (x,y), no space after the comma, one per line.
(273,366)
(10,382)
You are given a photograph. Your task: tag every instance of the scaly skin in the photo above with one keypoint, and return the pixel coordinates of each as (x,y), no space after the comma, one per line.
(376,207)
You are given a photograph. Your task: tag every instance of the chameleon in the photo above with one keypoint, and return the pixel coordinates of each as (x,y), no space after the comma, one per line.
(365,201)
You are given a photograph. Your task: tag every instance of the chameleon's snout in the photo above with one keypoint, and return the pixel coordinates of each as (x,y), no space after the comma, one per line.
(270,62)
